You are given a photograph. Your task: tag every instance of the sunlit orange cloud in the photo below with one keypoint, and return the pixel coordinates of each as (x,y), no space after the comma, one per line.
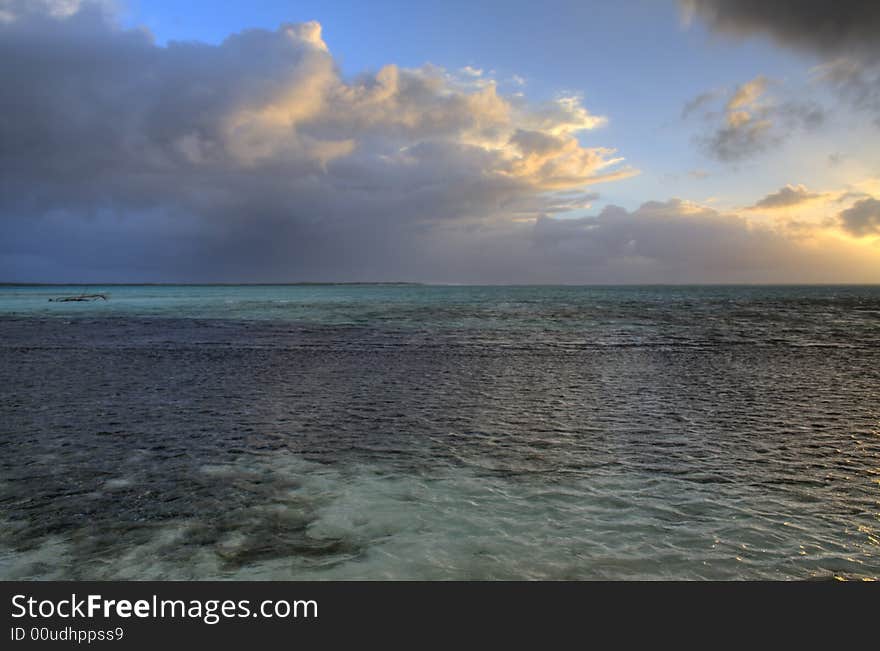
(806,213)
(316,115)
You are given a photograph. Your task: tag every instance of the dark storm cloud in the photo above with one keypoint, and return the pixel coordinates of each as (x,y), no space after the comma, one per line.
(827,27)
(862,219)
(253,158)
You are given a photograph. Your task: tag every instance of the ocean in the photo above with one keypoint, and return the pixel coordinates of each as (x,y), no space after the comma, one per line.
(440,432)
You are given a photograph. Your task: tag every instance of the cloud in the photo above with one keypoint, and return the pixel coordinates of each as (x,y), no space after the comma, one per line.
(747,94)
(698,102)
(471,71)
(850,195)
(828,28)
(746,128)
(749,122)
(665,240)
(256,156)
(857,82)
(12,10)
(862,218)
(843,32)
(787,197)
(680,241)
(836,158)
(257,160)
(549,204)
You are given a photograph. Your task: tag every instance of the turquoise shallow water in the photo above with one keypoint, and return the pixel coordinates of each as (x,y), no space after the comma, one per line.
(440,432)
(380,303)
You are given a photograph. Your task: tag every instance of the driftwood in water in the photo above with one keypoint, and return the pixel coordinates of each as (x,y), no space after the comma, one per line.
(81,297)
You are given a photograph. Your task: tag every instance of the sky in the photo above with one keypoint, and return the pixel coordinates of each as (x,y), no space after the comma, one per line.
(643,141)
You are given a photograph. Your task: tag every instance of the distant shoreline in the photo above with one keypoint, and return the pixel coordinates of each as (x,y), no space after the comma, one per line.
(423,284)
(291,284)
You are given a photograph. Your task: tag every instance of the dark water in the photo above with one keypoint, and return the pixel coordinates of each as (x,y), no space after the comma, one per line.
(421,432)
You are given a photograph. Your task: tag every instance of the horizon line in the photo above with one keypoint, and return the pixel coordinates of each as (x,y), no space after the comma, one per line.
(434,284)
